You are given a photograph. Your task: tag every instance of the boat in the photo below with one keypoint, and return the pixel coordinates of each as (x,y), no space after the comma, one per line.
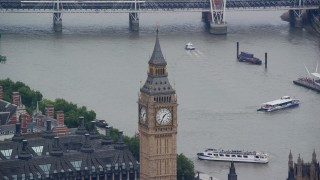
(283,102)
(3,59)
(248,57)
(189,46)
(311,82)
(233,155)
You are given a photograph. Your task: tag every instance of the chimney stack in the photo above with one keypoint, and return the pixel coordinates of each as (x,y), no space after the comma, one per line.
(41,120)
(16,98)
(50,111)
(60,118)
(23,121)
(60,129)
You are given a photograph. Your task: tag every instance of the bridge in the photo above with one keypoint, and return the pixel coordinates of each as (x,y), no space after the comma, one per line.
(213,11)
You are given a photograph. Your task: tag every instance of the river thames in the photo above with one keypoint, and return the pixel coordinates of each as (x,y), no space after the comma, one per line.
(97,62)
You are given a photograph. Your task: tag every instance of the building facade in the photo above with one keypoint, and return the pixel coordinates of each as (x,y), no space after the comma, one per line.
(83,155)
(303,171)
(157,121)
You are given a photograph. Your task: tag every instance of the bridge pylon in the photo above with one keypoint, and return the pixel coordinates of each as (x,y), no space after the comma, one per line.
(134,21)
(57,19)
(296,14)
(134,17)
(218,25)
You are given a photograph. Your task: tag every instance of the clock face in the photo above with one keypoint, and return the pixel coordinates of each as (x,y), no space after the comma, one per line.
(143,114)
(163,116)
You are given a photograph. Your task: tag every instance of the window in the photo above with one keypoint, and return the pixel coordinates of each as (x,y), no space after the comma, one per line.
(222,155)
(209,154)
(245,156)
(45,168)
(239,156)
(6,153)
(233,155)
(38,150)
(257,156)
(227,155)
(215,154)
(76,164)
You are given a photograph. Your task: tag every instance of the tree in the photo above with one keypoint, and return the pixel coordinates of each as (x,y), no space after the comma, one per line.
(28,97)
(185,168)
(133,144)
(71,112)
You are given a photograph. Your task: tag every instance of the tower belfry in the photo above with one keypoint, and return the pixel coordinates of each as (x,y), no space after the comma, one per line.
(157,119)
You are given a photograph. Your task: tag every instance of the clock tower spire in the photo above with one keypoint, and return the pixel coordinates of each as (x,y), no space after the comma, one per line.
(157,112)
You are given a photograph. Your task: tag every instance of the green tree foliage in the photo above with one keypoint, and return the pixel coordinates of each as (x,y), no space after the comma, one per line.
(133,144)
(71,112)
(28,97)
(185,168)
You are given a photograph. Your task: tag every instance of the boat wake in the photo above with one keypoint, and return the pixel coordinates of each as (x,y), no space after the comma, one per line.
(196,53)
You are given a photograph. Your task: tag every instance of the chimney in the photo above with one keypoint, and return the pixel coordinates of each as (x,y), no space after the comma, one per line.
(50,111)
(60,129)
(16,98)
(60,118)
(24,154)
(48,133)
(40,120)
(107,139)
(48,125)
(23,121)
(17,137)
(1,93)
(13,119)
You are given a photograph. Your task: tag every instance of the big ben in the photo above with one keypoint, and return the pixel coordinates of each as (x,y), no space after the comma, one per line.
(157,118)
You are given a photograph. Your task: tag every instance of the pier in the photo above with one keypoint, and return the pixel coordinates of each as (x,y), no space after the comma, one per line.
(307,83)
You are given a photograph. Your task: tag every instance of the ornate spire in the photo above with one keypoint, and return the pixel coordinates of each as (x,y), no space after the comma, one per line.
(157,82)
(290,162)
(157,56)
(314,156)
(232,172)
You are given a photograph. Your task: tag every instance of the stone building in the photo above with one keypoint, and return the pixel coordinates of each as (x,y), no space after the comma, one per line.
(82,155)
(303,171)
(15,112)
(157,112)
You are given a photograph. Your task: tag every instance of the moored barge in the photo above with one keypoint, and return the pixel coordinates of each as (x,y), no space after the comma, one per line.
(248,57)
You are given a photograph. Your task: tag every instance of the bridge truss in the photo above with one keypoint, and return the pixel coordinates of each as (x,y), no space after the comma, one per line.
(214,11)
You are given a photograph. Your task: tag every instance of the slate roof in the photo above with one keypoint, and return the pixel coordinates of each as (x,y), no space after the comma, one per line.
(159,84)
(54,157)
(6,111)
(157,56)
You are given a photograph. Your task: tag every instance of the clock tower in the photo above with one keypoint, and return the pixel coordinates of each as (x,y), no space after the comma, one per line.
(157,112)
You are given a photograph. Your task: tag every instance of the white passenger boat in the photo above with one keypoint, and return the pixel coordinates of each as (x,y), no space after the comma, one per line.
(284,102)
(233,155)
(190,46)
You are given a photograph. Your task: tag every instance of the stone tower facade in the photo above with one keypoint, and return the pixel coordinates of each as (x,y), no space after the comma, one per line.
(157,119)
(303,171)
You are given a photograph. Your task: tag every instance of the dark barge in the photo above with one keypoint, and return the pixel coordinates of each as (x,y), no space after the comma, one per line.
(248,57)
